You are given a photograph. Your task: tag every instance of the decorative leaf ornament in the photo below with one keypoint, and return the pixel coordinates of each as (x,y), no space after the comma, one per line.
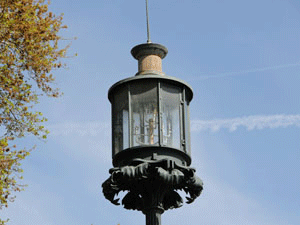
(155,178)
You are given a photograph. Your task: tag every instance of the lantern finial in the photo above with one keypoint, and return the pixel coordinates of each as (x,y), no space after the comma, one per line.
(147,19)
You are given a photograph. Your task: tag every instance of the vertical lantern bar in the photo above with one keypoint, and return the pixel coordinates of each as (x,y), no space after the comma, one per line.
(183,121)
(130,126)
(160,133)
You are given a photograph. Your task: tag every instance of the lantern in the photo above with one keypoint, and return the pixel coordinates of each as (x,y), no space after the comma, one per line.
(151,139)
(150,112)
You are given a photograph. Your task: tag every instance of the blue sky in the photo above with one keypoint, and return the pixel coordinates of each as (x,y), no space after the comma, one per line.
(242,59)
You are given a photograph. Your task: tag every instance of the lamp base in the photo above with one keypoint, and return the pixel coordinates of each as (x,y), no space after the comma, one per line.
(152,186)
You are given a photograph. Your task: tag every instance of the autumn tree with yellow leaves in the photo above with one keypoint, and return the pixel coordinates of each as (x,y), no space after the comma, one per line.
(29,51)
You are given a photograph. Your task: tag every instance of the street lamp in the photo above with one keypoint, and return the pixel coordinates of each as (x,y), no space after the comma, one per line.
(151,138)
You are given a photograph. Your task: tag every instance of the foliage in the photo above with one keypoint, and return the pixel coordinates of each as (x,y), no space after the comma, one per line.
(29,51)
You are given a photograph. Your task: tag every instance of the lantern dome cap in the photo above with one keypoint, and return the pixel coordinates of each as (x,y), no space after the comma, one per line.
(147,77)
(149,49)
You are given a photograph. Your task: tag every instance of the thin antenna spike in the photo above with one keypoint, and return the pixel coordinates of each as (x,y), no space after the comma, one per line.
(147,19)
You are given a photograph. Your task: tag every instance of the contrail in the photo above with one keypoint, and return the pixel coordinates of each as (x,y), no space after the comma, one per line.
(229,74)
(254,122)
(258,122)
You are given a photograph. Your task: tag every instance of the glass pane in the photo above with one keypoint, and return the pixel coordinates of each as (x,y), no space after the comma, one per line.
(120,121)
(187,126)
(170,116)
(144,113)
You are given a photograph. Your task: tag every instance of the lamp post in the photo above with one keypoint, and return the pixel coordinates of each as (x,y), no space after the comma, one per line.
(151,138)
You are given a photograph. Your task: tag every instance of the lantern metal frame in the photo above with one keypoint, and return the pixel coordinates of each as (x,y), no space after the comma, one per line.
(180,155)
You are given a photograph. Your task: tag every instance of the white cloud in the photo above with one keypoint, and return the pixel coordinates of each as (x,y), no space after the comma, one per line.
(86,142)
(93,128)
(222,204)
(250,122)
(31,207)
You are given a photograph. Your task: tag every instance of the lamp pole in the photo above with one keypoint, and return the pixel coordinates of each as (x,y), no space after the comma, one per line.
(151,138)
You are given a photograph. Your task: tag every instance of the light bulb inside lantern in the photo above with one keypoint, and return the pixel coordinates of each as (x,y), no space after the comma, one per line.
(145,123)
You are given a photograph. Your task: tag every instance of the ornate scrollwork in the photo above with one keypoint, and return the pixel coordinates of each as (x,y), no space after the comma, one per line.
(152,184)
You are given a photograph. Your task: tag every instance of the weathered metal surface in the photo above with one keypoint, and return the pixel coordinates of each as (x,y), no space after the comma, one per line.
(152,184)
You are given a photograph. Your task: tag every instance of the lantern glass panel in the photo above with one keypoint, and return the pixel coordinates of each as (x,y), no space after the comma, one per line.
(144,115)
(187,125)
(170,115)
(120,121)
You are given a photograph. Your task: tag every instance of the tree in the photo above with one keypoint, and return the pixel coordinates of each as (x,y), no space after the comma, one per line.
(29,51)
